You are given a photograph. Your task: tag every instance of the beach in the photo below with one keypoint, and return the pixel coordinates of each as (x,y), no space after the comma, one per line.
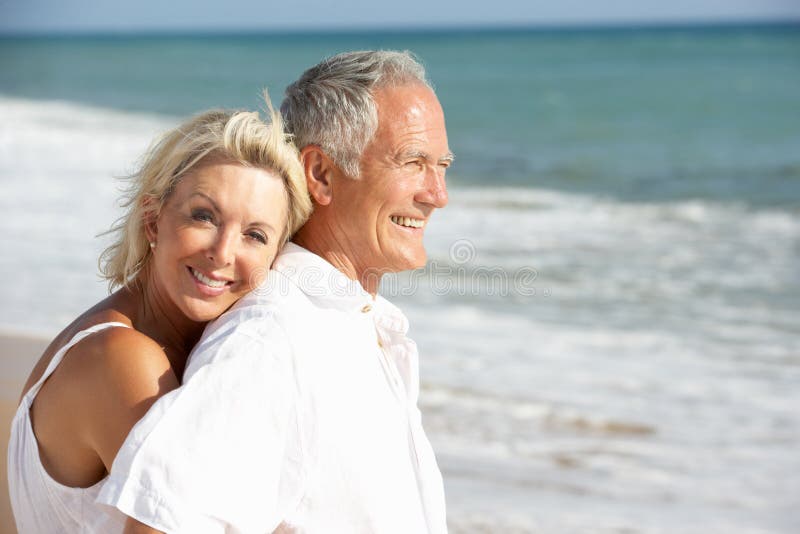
(609,320)
(18,354)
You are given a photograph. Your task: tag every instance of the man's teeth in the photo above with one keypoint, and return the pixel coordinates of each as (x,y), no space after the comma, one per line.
(408,221)
(208,281)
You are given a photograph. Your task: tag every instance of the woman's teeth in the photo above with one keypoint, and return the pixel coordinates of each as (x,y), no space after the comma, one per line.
(408,221)
(208,281)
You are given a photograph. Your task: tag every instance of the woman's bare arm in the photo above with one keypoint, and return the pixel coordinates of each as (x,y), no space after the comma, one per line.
(133,526)
(135,372)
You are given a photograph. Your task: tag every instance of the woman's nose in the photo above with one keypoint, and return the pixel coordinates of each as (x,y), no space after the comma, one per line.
(223,249)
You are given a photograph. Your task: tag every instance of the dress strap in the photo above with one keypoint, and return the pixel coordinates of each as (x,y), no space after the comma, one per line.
(77,338)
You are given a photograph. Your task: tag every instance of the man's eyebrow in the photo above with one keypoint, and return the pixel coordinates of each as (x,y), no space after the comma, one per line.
(413,154)
(447,158)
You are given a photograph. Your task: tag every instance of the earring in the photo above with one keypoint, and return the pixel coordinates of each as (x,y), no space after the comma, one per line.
(152,244)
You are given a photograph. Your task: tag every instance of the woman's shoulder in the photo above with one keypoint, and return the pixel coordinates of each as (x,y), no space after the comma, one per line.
(102,385)
(117,358)
(118,364)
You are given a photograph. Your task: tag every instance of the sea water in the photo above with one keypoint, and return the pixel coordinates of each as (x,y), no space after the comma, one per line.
(609,322)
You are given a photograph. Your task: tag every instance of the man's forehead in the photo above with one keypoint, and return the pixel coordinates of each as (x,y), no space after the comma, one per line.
(401,108)
(410,98)
(410,125)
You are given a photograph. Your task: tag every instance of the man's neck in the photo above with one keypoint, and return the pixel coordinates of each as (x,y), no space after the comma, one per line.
(325,244)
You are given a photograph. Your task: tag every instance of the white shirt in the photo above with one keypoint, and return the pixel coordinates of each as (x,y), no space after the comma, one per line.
(298,413)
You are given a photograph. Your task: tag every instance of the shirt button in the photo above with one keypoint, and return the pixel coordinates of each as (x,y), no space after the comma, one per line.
(366,308)
(380,344)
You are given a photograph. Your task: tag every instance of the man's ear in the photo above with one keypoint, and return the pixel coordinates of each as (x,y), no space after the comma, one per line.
(320,171)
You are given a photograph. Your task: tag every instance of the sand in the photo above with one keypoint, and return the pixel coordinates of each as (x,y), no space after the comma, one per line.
(18,354)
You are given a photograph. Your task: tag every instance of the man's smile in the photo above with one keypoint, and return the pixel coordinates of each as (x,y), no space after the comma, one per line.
(408,222)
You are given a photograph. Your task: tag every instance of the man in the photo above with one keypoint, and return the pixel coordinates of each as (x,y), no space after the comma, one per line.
(298,409)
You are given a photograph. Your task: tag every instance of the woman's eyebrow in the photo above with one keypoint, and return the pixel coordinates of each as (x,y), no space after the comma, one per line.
(210,200)
(218,210)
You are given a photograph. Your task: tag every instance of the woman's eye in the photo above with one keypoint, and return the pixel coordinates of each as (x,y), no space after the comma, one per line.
(202,215)
(258,236)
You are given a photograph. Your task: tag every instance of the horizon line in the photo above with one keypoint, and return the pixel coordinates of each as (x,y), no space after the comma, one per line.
(543,27)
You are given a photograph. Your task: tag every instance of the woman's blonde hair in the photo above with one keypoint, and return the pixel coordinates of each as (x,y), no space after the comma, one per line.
(240,137)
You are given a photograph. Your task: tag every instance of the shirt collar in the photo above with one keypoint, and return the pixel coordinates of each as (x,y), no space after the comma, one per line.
(330,288)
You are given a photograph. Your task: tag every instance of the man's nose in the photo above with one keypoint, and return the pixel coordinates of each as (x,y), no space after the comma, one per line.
(435,189)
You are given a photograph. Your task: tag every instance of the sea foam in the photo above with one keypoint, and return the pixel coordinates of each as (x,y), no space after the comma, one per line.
(59,166)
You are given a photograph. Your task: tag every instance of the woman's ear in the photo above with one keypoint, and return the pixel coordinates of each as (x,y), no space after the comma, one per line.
(319,170)
(150,220)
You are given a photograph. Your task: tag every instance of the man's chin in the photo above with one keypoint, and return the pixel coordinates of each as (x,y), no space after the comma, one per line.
(416,261)
(396,267)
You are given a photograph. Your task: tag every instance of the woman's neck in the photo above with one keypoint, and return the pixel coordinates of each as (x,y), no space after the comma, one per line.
(156,316)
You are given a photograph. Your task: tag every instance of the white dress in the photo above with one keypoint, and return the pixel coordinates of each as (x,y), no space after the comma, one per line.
(40,504)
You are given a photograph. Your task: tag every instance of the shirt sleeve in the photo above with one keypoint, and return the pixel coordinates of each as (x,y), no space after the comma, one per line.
(222,452)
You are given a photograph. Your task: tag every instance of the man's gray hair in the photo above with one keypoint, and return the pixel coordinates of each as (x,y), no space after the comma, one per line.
(332,103)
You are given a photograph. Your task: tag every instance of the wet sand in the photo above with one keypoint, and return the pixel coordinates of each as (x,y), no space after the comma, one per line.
(18,354)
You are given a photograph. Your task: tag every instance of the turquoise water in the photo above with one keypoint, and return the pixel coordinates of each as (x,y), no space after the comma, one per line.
(646,379)
(637,114)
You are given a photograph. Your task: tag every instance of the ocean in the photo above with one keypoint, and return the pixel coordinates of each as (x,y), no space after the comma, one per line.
(609,323)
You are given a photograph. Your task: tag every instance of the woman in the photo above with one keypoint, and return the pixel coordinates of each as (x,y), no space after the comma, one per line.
(212,204)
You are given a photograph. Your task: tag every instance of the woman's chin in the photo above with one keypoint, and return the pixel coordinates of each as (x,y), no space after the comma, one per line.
(203,312)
